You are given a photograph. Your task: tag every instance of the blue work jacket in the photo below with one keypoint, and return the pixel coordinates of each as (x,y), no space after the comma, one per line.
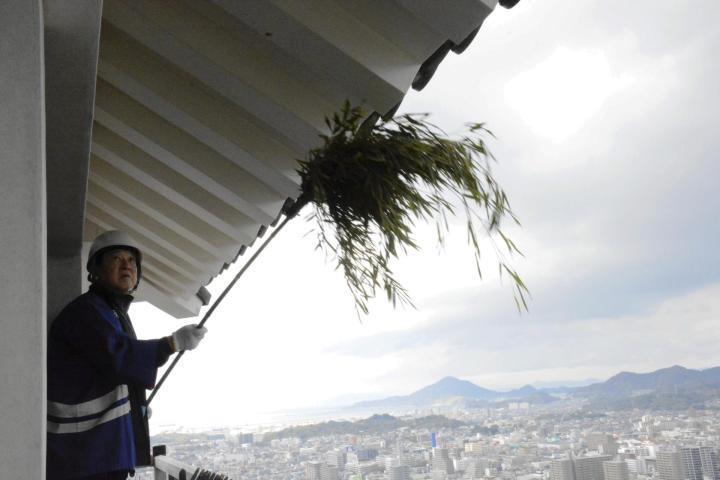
(96,367)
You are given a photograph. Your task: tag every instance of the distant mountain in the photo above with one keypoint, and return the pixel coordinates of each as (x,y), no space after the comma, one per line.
(675,387)
(451,390)
(451,387)
(667,380)
(530,395)
(521,392)
(564,386)
(668,388)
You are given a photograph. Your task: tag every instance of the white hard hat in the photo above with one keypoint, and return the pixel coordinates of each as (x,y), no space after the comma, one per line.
(115,239)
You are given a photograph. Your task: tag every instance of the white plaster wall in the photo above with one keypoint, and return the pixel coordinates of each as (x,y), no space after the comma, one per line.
(22,237)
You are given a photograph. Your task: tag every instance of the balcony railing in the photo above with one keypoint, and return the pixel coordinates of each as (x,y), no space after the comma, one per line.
(168,468)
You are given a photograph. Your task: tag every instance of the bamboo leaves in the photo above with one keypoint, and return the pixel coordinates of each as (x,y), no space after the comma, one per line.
(369,183)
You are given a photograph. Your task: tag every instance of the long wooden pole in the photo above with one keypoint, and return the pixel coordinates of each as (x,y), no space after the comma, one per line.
(289,214)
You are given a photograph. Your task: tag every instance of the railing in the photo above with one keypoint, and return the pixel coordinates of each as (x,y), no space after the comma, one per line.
(167,468)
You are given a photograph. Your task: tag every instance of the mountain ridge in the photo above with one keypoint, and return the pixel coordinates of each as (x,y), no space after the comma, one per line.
(449,387)
(675,385)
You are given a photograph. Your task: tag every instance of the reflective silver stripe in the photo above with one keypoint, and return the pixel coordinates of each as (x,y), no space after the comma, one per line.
(91,407)
(77,427)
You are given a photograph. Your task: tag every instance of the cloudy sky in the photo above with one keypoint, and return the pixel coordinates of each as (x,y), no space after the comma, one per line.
(606,117)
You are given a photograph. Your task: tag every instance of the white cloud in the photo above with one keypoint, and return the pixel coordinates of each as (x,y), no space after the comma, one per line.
(505,351)
(559,95)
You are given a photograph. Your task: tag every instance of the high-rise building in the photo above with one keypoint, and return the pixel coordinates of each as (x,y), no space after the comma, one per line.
(475,469)
(363,454)
(710,464)
(401,457)
(637,466)
(616,470)
(312,471)
(351,458)
(394,461)
(668,465)
(590,468)
(562,469)
(601,442)
(686,463)
(337,458)
(691,463)
(579,468)
(398,472)
(363,468)
(442,463)
(329,472)
(475,448)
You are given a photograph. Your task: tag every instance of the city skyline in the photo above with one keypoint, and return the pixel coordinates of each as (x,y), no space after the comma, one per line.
(538,443)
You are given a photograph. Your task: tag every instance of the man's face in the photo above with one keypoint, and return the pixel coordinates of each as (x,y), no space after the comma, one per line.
(118,271)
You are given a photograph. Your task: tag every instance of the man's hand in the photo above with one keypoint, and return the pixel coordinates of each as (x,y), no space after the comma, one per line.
(188,337)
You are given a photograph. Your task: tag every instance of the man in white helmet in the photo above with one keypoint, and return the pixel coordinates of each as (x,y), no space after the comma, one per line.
(98,371)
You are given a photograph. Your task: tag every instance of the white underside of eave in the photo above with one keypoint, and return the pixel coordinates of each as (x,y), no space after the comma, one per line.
(203,109)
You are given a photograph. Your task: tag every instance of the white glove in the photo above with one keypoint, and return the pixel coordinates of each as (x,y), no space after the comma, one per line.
(188,337)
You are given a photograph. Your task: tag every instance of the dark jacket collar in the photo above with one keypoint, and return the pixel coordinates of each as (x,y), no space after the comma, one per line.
(115,300)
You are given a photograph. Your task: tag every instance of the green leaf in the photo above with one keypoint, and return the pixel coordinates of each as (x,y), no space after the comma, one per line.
(369,182)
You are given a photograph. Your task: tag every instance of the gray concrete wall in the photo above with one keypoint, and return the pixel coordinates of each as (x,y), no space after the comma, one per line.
(72,38)
(23,240)
(64,278)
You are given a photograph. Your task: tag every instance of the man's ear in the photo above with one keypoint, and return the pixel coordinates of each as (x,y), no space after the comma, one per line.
(93,272)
